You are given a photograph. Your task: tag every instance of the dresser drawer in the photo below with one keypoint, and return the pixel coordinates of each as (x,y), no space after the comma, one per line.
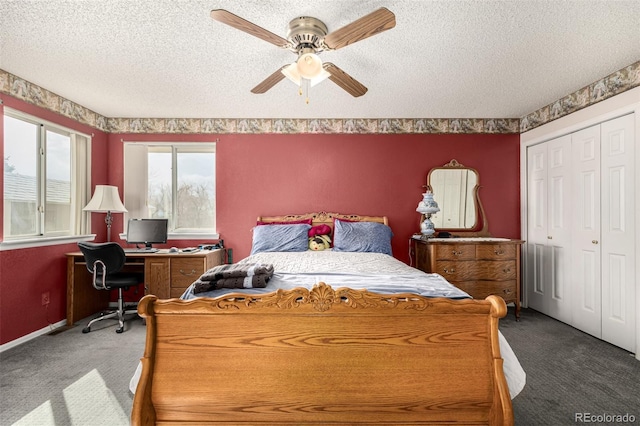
(481,289)
(495,251)
(184,271)
(498,270)
(455,252)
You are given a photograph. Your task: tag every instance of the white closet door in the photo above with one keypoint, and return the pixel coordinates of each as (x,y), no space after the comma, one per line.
(585,256)
(549,220)
(618,232)
(537,284)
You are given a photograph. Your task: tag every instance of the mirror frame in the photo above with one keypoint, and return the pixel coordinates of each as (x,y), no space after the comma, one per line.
(481,226)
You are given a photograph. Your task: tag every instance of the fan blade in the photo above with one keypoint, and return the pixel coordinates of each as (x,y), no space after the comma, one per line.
(367,26)
(344,80)
(269,82)
(241,24)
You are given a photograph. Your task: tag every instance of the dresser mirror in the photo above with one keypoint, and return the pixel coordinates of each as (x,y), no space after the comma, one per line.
(455,188)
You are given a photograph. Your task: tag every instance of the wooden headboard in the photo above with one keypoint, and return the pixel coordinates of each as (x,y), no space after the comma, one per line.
(324,218)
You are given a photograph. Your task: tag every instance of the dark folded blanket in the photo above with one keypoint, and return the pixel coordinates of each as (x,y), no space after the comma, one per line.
(247,275)
(236,270)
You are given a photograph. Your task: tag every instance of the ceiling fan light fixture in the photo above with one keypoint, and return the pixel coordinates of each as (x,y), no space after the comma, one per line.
(309,65)
(292,73)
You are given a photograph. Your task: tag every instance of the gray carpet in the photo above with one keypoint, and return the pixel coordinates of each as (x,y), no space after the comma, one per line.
(570,372)
(70,378)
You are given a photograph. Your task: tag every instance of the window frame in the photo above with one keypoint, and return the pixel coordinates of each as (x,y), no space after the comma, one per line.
(42,237)
(139,180)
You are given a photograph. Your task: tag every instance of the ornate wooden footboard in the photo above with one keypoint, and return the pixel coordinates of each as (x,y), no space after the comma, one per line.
(322,356)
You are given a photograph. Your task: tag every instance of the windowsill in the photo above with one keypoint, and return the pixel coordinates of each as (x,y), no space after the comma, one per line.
(183,236)
(52,241)
(44,241)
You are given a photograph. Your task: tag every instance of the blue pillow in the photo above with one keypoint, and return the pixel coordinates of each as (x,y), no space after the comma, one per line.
(362,236)
(280,238)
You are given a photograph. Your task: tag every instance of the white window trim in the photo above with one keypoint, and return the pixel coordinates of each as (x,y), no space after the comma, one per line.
(12,243)
(131,192)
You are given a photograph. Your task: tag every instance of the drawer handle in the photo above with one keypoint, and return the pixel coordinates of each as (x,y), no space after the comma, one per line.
(449,271)
(507,291)
(457,253)
(188,274)
(506,270)
(498,251)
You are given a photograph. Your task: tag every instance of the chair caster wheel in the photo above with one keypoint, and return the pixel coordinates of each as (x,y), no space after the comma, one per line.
(120,330)
(86,330)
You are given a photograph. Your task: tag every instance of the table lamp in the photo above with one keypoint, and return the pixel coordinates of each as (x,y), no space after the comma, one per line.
(427,207)
(106,199)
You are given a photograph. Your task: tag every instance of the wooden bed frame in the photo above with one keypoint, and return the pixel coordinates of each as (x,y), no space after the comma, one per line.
(322,356)
(323,218)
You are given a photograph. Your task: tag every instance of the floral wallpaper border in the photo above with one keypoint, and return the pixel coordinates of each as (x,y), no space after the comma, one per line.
(611,85)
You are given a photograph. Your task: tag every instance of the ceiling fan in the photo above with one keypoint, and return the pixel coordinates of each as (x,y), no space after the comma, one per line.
(307,37)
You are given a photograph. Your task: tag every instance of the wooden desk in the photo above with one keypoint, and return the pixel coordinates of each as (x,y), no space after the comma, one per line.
(166,275)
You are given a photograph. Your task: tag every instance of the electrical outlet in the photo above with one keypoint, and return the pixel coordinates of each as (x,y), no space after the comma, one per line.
(45,298)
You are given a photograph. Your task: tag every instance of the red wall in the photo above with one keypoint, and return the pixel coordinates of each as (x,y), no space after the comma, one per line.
(359,174)
(272,175)
(27,273)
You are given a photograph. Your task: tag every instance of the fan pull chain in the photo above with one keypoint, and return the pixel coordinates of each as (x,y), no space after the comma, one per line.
(304,88)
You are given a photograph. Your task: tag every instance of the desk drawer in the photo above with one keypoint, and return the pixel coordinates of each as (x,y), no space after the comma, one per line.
(184,271)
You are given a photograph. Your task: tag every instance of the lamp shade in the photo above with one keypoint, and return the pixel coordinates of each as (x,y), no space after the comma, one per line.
(292,73)
(428,204)
(105,199)
(309,65)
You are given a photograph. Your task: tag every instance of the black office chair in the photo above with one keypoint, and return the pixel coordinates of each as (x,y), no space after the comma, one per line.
(105,262)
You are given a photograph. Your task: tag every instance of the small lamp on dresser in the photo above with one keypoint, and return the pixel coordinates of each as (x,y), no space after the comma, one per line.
(427,207)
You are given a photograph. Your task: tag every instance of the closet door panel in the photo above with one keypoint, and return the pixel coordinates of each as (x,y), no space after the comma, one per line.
(585,236)
(549,169)
(618,231)
(536,284)
(559,204)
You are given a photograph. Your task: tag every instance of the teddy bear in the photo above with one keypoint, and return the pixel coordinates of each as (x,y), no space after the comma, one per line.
(319,242)
(319,237)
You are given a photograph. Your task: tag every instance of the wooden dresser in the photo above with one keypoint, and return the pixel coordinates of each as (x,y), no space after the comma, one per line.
(479,266)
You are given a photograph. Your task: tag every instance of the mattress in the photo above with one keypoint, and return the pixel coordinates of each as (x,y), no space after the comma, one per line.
(375,272)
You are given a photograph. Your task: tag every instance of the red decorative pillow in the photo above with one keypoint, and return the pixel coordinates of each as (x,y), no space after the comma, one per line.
(323,229)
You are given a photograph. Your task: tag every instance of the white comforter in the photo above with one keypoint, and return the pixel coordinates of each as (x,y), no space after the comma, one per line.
(374,271)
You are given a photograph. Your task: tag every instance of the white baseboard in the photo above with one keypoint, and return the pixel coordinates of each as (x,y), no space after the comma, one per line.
(31,336)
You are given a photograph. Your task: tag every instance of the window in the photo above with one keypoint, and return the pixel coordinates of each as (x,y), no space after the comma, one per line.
(40,178)
(175,181)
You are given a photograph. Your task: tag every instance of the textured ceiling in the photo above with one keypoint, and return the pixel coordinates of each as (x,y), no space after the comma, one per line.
(465,59)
